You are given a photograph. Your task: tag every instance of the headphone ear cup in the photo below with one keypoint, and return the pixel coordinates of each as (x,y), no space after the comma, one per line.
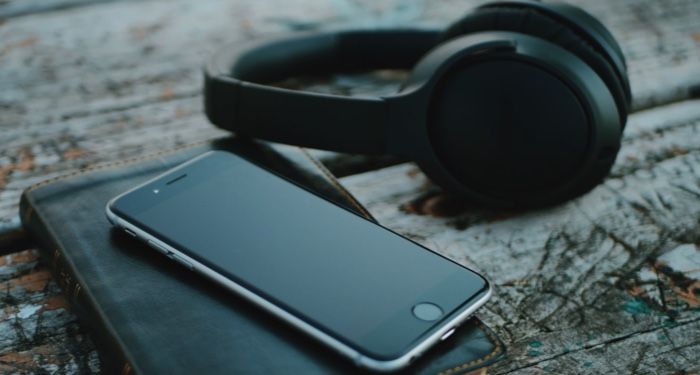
(529,21)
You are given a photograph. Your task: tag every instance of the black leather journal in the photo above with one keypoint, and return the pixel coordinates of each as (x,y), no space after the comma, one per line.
(148,315)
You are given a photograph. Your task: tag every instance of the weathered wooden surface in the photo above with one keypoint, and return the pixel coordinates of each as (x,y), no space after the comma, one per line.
(38,332)
(607,283)
(90,84)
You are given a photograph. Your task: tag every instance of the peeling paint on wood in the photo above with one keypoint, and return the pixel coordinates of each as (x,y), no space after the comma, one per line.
(131,85)
(605,283)
(38,332)
(578,283)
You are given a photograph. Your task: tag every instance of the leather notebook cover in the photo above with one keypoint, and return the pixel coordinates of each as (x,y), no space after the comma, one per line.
(149,315)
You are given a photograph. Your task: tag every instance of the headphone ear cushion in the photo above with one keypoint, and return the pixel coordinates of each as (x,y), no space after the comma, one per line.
(531,22)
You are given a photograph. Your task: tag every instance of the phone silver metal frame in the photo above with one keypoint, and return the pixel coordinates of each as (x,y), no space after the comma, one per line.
(358,358)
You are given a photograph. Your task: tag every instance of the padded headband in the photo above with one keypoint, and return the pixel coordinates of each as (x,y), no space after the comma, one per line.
(238,77)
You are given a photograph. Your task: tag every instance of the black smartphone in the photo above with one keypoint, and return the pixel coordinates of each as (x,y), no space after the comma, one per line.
(374,296)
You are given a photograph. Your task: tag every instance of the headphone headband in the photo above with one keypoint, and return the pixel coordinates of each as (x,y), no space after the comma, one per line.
(517,103)
(237,78)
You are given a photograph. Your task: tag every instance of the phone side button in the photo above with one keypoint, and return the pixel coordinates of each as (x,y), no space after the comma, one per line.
(180,260)
(447,334)
(157,247)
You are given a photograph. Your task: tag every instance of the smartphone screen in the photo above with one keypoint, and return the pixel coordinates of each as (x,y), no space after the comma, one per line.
(356,281)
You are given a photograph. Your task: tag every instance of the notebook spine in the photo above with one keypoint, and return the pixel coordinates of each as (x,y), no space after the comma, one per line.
(112,356)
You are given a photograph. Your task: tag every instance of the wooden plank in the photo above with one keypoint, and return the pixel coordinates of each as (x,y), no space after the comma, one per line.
(601,284)
(607,282)
(38,332)
(551,277)
(119,58)
(667,349)
(131,85)
(50,60)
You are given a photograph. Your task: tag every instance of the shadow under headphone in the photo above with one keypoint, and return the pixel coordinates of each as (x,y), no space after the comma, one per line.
(516,104)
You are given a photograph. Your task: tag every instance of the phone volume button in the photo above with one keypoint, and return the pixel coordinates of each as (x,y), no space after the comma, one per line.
(157,247)
(180,260)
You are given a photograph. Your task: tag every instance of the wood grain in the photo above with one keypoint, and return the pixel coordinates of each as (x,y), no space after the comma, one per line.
(38,332)
(129,86)
(607,283)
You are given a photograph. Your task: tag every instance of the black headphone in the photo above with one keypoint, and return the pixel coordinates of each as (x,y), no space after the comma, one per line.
(518,103)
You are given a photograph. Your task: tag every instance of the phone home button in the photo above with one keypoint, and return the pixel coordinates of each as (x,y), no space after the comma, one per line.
(427,311)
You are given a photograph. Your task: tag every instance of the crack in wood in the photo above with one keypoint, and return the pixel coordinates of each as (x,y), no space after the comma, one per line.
(607,342)
(571,277)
